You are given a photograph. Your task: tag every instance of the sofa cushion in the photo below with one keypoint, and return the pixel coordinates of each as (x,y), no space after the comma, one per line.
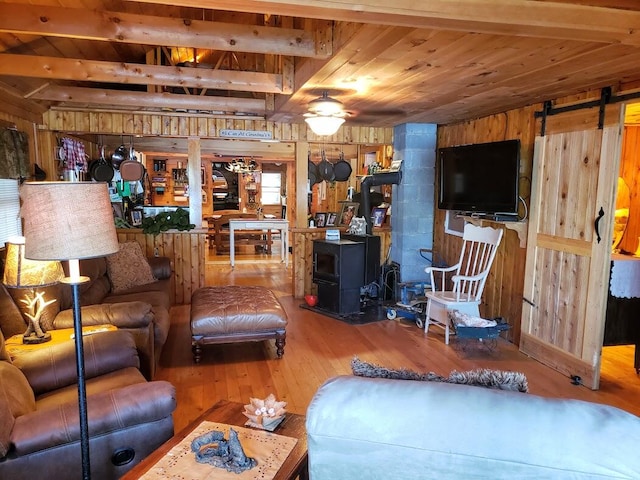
(7,421)
(128,268)
(481,377)
(16,390)
(16,398)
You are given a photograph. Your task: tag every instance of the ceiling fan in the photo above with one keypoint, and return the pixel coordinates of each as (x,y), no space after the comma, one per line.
(325,114)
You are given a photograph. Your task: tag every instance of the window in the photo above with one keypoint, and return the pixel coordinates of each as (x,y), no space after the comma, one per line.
(271,183)
(10,224)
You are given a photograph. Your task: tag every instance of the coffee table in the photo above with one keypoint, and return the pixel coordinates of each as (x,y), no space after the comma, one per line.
(230,413)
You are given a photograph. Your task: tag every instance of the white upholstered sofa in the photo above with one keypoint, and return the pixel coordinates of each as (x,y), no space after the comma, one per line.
(376,428)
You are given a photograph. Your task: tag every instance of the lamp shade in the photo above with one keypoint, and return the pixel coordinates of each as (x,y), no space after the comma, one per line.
(324,125)
(67,220)
(20,272)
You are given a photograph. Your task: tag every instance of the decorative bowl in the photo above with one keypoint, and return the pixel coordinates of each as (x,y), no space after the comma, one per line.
(311,300)
(266,414)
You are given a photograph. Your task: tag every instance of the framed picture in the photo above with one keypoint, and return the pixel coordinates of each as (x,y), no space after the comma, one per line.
(377,216)
(331,219)
(136,218)
(348,211)
(116,208)
(320,219)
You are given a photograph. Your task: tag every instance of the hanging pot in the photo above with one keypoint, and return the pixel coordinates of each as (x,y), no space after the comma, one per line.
(326,169)
(118,156)
(342,169)
(313,175)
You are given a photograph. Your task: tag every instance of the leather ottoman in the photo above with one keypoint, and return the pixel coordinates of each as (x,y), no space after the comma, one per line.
(235,313)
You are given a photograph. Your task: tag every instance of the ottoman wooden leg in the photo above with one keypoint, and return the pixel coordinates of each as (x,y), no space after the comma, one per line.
(197,352)
(280,341)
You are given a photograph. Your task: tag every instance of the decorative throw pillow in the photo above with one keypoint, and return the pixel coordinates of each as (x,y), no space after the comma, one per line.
(482,377)
(128,268)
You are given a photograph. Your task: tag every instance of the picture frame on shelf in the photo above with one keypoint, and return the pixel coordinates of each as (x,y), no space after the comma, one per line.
(118,212)
(378,216)
(348,211)
(136,218)
(320,219)
(331,219)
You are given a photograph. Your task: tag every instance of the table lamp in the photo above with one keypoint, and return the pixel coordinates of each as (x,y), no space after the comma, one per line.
(25,280)
(70,221)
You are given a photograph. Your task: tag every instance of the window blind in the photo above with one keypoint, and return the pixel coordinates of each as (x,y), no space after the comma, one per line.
(10,224)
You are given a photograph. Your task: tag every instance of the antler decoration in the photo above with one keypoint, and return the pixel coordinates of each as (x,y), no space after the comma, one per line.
(36,306)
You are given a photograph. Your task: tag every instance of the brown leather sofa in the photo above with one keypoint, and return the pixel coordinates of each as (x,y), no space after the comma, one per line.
(141,310)
(128,417)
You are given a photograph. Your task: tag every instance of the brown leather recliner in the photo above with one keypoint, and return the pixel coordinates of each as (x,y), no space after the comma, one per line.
(142,310)
(128,417)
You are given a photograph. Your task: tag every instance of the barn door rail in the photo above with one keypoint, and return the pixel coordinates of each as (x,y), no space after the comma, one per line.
(606,97)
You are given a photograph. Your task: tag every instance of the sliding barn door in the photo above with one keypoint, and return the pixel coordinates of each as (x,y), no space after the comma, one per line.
(568,251)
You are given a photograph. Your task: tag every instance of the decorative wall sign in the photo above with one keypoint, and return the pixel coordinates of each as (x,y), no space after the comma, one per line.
(249,134)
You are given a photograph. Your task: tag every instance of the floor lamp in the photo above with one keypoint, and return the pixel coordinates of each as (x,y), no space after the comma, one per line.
(70,221)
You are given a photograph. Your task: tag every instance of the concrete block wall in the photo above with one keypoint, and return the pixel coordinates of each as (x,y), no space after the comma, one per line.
(413,200)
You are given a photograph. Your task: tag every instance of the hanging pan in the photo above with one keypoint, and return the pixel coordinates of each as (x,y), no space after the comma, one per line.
(313,175)
(101,171)
(131,170)
(342,169)
(326,169)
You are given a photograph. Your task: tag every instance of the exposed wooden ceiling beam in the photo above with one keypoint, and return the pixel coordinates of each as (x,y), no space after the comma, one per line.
(229,148)
(91,96)
(139,74)
(529,18)
(152,30)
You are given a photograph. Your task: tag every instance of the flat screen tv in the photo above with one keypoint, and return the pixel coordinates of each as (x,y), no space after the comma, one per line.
(480,178)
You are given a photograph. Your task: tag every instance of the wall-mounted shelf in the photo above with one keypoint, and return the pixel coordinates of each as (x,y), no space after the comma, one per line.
(521,228)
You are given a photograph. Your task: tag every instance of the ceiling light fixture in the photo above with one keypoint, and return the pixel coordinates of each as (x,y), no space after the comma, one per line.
(240,165)
(325,115)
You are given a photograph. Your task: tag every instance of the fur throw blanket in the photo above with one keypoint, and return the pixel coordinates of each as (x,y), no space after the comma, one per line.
(483,377)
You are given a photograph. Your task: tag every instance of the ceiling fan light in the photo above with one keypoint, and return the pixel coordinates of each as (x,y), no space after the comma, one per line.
(325,105)
(323,124)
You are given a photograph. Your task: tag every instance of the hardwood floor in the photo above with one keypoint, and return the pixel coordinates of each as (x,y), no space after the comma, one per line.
(319,347)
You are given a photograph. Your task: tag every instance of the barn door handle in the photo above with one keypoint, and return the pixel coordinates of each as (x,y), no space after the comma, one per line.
(597,222)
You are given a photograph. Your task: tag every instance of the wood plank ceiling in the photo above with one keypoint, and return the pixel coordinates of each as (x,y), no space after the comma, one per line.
(437,61)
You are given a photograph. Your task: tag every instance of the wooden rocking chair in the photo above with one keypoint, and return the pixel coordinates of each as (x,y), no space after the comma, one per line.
(468,279)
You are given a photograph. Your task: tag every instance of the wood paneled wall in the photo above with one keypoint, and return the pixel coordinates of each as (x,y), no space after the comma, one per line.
(503,291)
(186,252)
(201,126)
